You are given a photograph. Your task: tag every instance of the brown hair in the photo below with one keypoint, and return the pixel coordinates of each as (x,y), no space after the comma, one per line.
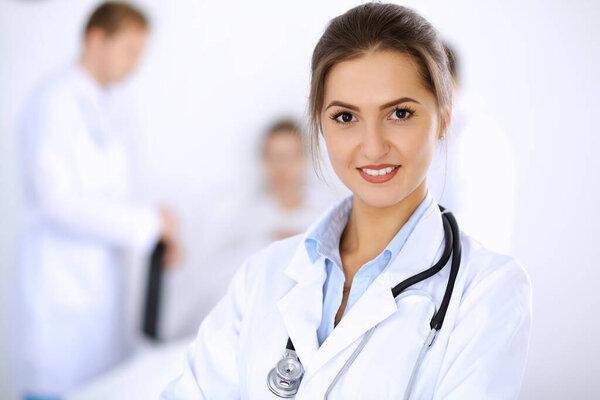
(286,126)
(453,61)
(377,26)
(112,16)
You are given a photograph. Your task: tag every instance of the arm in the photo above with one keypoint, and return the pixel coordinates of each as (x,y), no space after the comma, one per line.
(211,366)
(58,199)
(487,348)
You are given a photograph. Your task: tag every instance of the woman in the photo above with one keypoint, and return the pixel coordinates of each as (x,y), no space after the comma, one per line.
(380,94)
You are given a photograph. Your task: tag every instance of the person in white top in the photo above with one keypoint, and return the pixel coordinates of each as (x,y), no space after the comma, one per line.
(382,297)
(286,205)
(79,214)
(474,169)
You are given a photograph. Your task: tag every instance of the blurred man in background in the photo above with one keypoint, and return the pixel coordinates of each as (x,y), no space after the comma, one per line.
(79,215)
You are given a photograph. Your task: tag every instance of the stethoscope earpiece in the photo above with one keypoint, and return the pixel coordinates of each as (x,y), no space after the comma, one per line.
(284,380)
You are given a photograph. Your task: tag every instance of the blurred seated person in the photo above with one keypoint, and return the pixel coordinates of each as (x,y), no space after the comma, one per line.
(286,206)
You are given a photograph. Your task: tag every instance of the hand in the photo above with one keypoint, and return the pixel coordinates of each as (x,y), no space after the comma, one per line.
(173,253)
(169,235)
(168,223)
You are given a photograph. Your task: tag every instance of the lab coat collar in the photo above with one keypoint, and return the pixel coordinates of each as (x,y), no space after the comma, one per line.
(301,308)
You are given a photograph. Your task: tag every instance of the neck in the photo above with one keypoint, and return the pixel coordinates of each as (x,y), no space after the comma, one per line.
(288,197)
(370,229)
(88,63)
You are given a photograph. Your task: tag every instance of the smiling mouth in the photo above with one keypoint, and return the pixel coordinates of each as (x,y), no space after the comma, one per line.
(378,173)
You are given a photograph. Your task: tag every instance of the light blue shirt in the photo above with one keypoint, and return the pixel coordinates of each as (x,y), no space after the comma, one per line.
(324,241)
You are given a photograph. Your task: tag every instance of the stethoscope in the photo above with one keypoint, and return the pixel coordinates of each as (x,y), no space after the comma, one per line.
(285,378)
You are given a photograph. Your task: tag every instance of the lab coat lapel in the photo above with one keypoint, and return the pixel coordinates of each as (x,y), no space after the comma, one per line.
(377,303)
(302,306)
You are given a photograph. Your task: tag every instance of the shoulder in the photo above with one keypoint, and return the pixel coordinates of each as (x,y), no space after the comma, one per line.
(57,84)
(262,277)
(54,95)
(272,260)
(498,275)
(52,107)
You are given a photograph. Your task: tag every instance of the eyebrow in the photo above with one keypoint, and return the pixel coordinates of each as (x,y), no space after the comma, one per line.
(382,107)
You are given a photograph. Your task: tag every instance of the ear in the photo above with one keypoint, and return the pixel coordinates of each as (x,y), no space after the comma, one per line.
(445,122)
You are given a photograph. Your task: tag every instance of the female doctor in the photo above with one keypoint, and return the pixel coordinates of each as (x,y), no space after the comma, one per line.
(380,95)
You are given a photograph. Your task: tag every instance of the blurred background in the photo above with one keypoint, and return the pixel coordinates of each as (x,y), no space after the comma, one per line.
(217,75)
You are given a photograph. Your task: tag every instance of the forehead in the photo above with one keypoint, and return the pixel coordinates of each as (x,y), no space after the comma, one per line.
(128,32)
(283,138)
(375,78)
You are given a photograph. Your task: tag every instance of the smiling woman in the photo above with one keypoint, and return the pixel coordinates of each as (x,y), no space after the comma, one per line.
(351,298)
(373,138)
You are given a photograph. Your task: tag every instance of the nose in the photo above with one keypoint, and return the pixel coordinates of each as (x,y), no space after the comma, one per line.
(374,143)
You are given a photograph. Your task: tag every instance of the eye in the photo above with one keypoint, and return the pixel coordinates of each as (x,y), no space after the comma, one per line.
(401,114)
(343,117)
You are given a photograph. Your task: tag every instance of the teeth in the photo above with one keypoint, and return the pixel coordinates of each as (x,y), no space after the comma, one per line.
(377,172)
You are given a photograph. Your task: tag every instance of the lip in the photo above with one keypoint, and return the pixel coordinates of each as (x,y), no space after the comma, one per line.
(379,178)
(379,166)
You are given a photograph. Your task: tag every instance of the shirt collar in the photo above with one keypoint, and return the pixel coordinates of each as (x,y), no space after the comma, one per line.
(324,238)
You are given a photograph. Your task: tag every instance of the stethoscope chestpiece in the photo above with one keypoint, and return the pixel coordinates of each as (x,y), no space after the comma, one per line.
(284,379)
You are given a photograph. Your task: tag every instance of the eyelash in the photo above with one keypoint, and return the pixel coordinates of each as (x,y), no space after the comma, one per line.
(338,114)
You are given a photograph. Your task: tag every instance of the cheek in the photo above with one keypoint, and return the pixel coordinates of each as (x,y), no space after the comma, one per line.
(298,165)
(122,59)
(419,152)
(112,60)
(423,138)
(420,149)
(339,151)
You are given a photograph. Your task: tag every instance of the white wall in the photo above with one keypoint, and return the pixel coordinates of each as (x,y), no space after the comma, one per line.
(217,72)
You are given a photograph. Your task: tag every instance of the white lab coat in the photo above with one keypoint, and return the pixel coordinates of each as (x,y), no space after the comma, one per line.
(479,353)
(78,215)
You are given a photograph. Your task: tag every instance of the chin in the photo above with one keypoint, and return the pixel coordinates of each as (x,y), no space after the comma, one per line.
(118,77)
(388,194)
(381,197)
